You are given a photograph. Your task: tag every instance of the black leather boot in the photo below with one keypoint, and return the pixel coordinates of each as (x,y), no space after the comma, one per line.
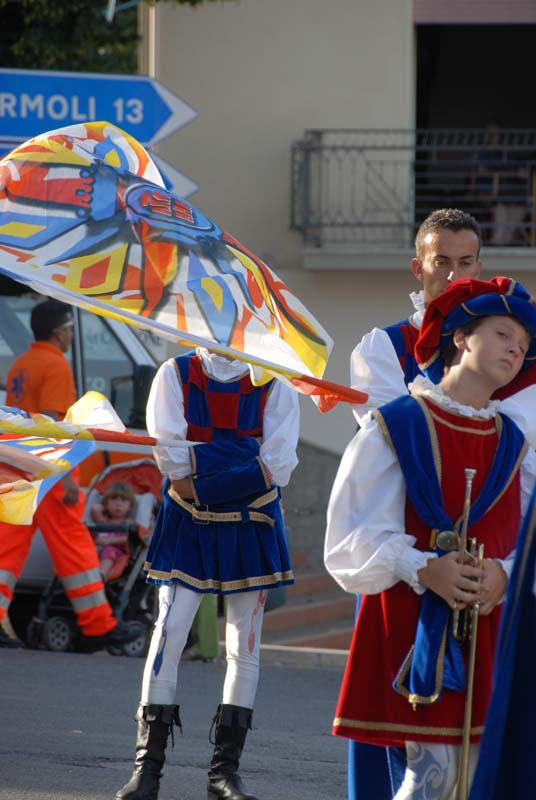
(232,725)
(155,723)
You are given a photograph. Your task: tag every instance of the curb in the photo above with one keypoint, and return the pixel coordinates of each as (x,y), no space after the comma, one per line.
(313,657)
(280,655)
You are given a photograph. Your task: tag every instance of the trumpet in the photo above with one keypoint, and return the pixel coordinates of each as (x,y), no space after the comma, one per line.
(461,630)
(467,629)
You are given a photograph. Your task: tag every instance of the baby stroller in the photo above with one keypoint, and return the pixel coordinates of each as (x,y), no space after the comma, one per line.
(133,601)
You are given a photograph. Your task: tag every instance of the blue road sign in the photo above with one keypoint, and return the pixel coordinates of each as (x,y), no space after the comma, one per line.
(35,101)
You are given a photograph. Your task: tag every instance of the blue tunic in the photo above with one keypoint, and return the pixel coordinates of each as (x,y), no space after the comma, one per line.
(230,537)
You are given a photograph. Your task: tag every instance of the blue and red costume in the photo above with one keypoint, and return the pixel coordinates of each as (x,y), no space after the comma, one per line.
(230,538)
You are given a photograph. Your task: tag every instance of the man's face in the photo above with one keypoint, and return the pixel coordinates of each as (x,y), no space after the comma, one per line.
(64,333)
(446,256)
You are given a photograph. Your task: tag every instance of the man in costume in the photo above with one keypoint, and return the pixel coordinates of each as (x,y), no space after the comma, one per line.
(447,247)
(383,364)
(400,481)
(40,381)
(219,530)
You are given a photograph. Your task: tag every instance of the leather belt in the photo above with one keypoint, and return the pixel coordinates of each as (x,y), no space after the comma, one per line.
(203,516)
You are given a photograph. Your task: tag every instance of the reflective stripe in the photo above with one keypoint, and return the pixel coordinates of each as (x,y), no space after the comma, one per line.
(4,601)
(88,600)
(8,578)
(81,578)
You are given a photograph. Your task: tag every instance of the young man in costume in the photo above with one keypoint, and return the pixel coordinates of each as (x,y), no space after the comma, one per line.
(383,364)
(400,481)
(447,247)
(219,530)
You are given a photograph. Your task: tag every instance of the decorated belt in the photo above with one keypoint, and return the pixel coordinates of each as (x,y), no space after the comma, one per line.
(203,516)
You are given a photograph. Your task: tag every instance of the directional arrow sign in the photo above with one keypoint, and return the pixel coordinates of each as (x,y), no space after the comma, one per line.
(35,101)
(175,181)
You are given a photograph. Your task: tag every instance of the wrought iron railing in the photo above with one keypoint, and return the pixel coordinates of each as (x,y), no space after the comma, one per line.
(376,186)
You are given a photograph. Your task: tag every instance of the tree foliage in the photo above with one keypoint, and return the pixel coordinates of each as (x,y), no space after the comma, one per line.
(70,35)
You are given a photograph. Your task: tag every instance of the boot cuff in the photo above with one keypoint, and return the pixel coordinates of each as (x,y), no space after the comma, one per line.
(229,716)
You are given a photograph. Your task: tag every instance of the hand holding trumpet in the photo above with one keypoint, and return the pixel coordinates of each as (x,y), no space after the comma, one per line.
(455,581)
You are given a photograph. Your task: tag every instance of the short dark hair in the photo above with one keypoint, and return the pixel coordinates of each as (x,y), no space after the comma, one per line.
(46,317)
(447,219)
(451,349)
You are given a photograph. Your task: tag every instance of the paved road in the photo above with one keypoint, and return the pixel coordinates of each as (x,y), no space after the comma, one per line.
(67,730)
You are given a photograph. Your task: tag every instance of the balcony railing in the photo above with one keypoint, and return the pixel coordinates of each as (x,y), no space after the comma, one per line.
(376,186)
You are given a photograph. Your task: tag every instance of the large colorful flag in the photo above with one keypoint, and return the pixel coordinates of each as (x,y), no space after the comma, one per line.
(92,419)
(29,467)
(36,450)
(83,218)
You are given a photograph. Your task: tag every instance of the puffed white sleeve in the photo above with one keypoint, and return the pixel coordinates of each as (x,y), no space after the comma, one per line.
(527,481)
(281,429)
(367,549)
(375,369)
(521,407)
(165,420)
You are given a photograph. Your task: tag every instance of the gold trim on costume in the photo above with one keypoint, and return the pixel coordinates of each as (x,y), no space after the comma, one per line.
(503,298)
(464,429)
(223,586)
(471,313)
(434,441)
(207,516)
(267,480)
(431,360)
(417,699)
(378,416)
(396,727)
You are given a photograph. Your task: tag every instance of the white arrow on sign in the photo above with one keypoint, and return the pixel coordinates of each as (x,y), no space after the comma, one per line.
(175,181)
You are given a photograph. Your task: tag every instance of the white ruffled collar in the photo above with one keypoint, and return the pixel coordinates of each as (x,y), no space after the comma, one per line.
(423,386)
(221,367)
(417,298)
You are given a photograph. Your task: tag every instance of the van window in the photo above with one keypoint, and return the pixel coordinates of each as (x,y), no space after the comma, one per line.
(104,356)
(108,368)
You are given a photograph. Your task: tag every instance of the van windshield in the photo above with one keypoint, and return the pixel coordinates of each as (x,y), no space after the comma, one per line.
(108,367)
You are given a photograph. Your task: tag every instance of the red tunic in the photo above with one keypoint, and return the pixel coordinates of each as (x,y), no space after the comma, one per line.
(369,709)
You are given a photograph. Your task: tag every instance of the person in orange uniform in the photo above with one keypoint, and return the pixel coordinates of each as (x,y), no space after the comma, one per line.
(41,381)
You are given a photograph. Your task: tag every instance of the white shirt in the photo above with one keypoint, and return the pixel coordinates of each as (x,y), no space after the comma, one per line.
(375,368)
(165,419)
(367,549)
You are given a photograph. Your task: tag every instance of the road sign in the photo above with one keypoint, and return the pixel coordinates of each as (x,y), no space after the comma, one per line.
(35,101)
(175,181)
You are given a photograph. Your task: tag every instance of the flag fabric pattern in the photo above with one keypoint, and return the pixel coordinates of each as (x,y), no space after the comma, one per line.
(84,218)
(30,466)
(92,418)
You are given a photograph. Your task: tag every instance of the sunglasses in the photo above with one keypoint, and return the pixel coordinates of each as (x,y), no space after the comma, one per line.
(66,326)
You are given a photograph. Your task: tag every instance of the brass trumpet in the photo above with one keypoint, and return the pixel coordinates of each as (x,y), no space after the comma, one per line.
(467,630)
(458,629)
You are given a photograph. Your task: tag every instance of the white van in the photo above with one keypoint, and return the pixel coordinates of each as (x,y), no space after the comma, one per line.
(106,356)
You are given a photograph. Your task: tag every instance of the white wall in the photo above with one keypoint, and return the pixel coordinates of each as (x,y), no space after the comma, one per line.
(260,72)
(349,304)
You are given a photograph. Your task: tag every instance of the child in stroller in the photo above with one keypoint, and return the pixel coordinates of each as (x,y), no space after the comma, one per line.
(41,612)
(117,507)
(120,510)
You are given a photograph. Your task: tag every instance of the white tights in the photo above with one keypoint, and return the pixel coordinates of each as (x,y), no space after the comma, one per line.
(177,609)
(432,769)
